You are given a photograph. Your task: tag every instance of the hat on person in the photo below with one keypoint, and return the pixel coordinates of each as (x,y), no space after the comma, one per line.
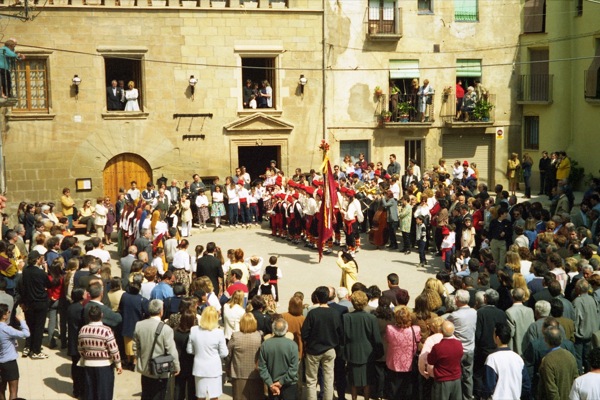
(377,172)
(296,195)
(241,182)
(320,192)
(387,176)
(310,190)
(445,231)
(350,193)
(289,199)
(466,163)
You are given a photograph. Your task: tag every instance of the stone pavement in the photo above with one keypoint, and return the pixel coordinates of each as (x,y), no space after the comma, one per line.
(50,379)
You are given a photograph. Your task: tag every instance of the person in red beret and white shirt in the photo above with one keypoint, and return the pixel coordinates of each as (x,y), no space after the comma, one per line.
(353,216)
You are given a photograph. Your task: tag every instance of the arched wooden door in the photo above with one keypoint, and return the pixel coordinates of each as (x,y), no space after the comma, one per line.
(121,170)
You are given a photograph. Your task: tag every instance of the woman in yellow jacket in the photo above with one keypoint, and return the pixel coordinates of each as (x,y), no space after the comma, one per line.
(349,270)
(512,172)
(564,166)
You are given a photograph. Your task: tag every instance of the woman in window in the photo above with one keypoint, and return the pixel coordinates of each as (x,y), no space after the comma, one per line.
(266,95)
(131,96)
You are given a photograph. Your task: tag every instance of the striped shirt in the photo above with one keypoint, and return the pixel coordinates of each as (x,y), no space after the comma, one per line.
(97,346)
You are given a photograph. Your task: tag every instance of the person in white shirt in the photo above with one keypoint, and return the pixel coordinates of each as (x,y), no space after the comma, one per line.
(395,188)
(587,386)
(353,216)
(98,250)
(255,266)
(134,192)
(202,206)
(157,261)
(233,201)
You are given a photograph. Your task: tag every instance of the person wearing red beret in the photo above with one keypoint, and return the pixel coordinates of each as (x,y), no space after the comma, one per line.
(353,216)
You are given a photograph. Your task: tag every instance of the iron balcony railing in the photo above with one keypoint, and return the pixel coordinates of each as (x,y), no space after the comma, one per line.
(535,88)
(384,23)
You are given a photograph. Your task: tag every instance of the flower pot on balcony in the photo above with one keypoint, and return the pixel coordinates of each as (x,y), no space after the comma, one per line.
(404,118)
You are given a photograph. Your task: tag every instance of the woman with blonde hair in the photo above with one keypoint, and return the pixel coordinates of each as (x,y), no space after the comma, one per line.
(519,281)
(233,311)
(131,96)
(241,362)
(100,215)
(207,344)
(403,341)
(512,263)
(437,286)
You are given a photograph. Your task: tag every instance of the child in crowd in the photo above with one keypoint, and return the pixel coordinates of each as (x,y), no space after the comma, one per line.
(253,205)
(467,238)
(202,204)
(255,265)
(157,261)
(252,102)
(274,273)
(421,236)
(267,288)
(461,265)
(447,247)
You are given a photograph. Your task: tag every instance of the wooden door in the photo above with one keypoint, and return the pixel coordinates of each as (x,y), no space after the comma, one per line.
(121,170)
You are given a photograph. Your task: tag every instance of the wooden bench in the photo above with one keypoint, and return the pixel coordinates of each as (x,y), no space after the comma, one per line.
(77,227)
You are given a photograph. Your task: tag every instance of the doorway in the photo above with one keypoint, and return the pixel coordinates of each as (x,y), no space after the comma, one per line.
(257,159)
(121,170)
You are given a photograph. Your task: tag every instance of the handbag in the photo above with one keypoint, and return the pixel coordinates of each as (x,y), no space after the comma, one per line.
(164,363)
(414,366)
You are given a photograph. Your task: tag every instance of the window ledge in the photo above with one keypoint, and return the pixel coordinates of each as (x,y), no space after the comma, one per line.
(30,117)
(267,111)
(425,12)
(593,101)
(125,115)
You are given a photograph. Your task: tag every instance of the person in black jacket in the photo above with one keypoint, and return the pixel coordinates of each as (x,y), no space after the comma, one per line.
(74,323)
(209,265)
(544,167)
(34,299)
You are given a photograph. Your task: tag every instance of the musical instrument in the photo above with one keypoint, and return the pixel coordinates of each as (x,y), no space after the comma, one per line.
(378,234)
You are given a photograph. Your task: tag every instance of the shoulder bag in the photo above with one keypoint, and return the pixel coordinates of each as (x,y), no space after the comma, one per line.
(415,361)
(164,363)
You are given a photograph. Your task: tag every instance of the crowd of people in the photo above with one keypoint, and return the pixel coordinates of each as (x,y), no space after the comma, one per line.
(119,98)
(512,313)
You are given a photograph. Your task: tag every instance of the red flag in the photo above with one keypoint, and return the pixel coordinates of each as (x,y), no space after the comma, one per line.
(328,203)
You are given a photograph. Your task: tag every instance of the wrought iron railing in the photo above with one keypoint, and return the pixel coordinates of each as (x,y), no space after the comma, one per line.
(535,88)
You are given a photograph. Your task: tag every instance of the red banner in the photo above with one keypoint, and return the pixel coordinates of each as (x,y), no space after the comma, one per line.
(328,203)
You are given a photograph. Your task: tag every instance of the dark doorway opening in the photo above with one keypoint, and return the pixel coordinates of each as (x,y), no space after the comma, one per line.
(257,159)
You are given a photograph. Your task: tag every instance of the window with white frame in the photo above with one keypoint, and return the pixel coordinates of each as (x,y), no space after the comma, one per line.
(31,85)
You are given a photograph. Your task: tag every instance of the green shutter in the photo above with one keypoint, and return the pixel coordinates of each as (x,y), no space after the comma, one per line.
(404,69)
(468,68)
(465,10)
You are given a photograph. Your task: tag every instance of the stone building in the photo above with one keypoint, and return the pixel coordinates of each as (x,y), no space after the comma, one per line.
(62,135)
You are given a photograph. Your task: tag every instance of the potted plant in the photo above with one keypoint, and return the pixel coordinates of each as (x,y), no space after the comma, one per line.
(386,116)
(378,92)
(481,112)
(404,108)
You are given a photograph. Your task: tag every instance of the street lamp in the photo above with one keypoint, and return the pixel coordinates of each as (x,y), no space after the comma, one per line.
(76,82)
(192,83)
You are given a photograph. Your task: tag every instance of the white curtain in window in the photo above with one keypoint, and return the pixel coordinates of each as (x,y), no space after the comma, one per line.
(404,69)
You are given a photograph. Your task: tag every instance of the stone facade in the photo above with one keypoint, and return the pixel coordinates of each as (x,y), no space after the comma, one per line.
(76,136)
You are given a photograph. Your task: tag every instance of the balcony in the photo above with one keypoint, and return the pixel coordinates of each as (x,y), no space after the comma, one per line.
(591,86)
(479,117)
(535,89)
(406,114)
(383,23)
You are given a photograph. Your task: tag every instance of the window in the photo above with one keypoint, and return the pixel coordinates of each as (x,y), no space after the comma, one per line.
(382,16)
(579,8)
(31,84)
(592,76)
(353,148)
(465,11)
(413,149)
(535,16)
(262,74)
(124,70)
(468,71)
(402,72)
(425,6)
(531,132)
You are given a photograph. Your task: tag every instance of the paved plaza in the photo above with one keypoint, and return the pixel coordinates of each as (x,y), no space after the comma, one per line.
(50,379)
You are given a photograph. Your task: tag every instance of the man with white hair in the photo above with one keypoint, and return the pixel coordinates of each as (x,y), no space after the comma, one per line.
(278,363)
(465,323)
(536,329)
(342,295)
